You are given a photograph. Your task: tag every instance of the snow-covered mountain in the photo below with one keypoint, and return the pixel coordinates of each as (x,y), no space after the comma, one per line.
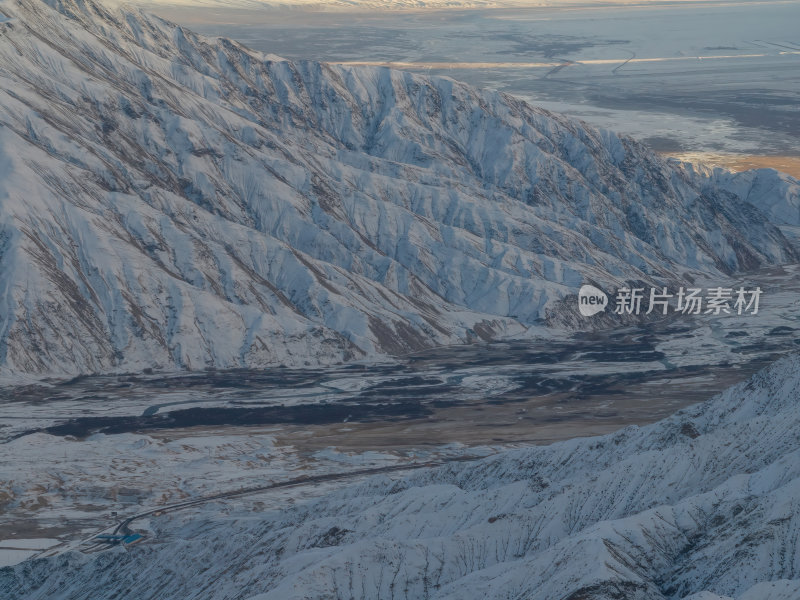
(776,194)
(704,505)
(173,201)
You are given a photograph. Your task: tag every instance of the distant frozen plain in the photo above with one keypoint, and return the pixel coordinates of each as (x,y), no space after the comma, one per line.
(702,79)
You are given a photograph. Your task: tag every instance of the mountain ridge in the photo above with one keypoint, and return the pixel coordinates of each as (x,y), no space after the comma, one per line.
(180,202)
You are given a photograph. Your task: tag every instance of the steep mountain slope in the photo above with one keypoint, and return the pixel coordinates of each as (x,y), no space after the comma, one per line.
(703,505)
(172,201)
(776,194)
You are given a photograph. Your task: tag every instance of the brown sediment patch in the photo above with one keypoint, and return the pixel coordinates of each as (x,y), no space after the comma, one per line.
(743,162)
(529,419)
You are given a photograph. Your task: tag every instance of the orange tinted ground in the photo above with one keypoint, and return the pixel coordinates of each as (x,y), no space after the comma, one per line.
(739,162)
(787,164)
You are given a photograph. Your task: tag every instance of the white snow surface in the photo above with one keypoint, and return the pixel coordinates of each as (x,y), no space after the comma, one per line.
(180,202)
(775,193)
(704,505)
